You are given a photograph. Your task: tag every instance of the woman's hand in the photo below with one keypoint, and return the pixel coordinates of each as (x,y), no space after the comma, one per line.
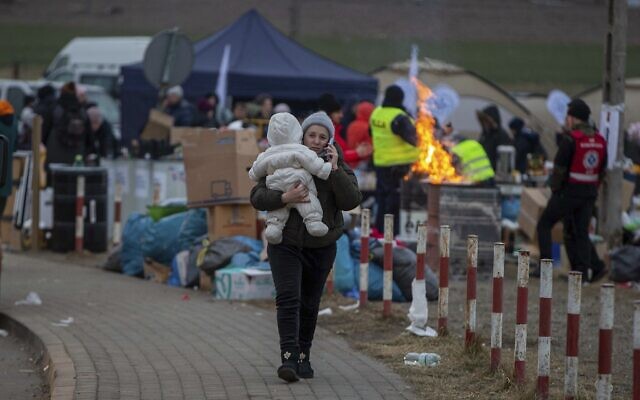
(298,194)
(332,154)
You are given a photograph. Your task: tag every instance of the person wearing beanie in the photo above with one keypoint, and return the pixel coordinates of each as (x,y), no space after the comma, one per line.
(578,169)
(358,131)
(175,105)
(301,262)
(394,150)
(9,130)
(206,115)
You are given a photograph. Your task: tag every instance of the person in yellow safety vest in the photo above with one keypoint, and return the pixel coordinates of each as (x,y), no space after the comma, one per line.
(394,150)
(473,162)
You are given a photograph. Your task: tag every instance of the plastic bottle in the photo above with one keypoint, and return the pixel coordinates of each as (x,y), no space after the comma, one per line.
(422,359)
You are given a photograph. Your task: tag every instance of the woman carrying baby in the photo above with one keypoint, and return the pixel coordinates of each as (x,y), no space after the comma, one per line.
(301,262)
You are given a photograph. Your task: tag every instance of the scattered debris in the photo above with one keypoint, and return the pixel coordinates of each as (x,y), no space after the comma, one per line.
(350,307)
(64,322)
(32,300)
(325,311)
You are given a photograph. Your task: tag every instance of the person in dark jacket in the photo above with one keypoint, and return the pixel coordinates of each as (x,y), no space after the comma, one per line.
(578,170)
(103,143)
(45,104)
(176,106)
(206,115)
(8,129)
(394,150)
(301,263)
(492,133)
(526,142)
(69,134)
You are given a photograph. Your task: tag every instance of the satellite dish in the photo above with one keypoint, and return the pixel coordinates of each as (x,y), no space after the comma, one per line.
(557,104)
(168,59)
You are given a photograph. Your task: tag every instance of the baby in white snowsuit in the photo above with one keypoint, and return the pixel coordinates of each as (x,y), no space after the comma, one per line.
(286,163)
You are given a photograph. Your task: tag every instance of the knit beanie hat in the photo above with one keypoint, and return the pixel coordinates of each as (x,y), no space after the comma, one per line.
(284,128)
(577,108)
(319,118)
(176,90)
(393,97)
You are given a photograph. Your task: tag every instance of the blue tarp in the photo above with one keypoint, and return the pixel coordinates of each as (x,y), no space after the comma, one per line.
(262,60)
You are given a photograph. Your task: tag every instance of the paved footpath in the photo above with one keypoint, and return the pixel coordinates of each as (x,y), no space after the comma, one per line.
(132,339)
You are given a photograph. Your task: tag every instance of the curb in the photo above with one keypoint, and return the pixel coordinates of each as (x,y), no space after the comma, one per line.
(61,373)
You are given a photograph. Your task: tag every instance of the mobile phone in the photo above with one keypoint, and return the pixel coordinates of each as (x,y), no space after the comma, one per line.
(323,154)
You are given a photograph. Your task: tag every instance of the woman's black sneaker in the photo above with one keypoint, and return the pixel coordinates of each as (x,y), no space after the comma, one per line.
(304,367)
(288,371)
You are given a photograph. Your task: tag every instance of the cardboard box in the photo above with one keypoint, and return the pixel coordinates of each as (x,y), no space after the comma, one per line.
(181,134)
(230,220)
(158,126)
(532,204)
(10,236)
(216,167)
(206,283)
(244,284)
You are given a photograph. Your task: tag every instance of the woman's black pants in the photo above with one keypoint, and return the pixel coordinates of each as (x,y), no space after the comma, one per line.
(299,275)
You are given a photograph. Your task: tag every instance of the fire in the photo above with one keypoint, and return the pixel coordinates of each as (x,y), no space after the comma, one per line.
(434,160)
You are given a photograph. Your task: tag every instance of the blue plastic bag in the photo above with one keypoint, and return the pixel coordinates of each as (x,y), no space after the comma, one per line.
(376,274)
(193,227)
(132,235)
(160,241)
(344,278)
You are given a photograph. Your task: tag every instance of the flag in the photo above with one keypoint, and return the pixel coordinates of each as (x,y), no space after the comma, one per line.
(221,85)
(411,97)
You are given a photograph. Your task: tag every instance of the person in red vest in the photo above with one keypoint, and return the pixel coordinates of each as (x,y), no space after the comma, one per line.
(578,169)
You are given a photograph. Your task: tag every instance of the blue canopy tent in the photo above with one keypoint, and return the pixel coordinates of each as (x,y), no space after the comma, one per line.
(262,60)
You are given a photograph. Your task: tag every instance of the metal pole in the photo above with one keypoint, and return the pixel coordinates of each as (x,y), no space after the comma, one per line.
(496,306)
(613,96)
(470,309)
(443,291)
(573,333)
(605,342)
(544,328)
(387,289)
(364,256)
(520,348)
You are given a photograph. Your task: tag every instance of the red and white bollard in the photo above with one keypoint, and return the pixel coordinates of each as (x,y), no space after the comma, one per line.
(387,289)
(520,349)
(573,333)
(496,305)
(365,220)
(79,214)
(443,291)
(544,328)
(117,215)
(421,254)
(636,350)
(470,309)
(605,342)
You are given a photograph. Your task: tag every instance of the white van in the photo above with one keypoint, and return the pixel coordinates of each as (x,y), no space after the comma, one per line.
(96,60)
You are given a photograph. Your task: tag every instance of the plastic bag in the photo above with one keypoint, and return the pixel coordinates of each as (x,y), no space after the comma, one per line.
(160,241)
(625,264)
(131,256)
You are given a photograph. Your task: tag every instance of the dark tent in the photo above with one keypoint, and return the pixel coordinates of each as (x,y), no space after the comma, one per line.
(262,60)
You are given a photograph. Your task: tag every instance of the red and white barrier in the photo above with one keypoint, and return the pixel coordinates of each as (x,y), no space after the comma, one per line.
(520,349)
(79,238)
(544,328)
(387,289)
(496,305)
(443,291)
(365,220)
(636,350)
(573,333)
(470,309)
(605,342)
(117,215)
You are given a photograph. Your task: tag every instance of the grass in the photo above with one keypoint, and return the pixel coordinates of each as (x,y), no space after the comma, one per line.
(516,66)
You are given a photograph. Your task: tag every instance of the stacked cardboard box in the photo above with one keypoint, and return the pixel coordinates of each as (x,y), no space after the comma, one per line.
(532,203)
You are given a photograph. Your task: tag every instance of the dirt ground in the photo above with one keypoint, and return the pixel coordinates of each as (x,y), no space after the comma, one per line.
(466,376)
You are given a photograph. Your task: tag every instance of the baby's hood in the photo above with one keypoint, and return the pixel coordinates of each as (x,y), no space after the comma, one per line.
(284,128)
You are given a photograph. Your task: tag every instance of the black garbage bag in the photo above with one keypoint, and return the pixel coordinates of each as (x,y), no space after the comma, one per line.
(113,263)
(625,264)
(211,256)
(404,271)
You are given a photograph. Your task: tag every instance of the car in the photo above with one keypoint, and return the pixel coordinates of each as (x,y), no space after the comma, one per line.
(15,91)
